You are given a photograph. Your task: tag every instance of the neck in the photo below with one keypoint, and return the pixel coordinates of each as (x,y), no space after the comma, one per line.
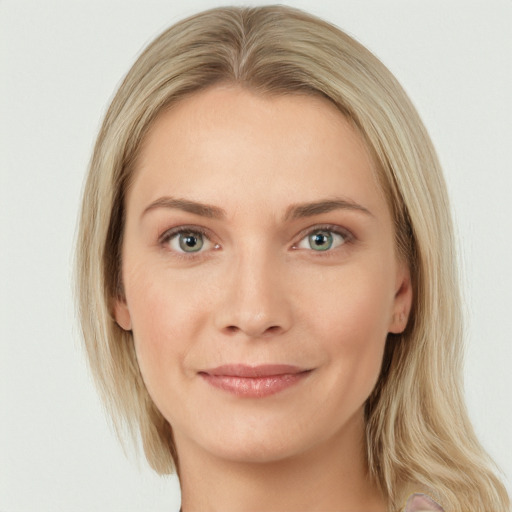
(330,476)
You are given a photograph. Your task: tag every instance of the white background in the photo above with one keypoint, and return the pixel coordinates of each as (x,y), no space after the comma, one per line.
(60,62)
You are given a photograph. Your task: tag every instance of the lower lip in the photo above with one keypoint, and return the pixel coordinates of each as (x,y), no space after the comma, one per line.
(254,387)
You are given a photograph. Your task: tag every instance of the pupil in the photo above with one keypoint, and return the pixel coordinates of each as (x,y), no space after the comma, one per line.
(191,242)
(321,241)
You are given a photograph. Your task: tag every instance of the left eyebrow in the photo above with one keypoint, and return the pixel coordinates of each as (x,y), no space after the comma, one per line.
(299,211)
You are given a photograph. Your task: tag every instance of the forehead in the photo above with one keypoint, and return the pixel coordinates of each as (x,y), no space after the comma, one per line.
(226,142)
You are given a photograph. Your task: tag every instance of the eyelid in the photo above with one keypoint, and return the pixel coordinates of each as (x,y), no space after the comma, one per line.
(188,228)
(193,228)
(333,228)
(169,234)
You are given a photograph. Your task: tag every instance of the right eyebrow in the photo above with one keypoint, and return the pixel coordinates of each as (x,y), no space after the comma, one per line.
(202,209)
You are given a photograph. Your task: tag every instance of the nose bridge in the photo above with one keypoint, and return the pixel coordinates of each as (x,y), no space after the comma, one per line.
(255,300)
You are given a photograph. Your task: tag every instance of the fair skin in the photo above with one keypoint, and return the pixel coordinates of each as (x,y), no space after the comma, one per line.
(287,257)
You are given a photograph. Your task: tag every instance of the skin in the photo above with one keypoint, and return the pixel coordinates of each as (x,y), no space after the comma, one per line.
(257,292)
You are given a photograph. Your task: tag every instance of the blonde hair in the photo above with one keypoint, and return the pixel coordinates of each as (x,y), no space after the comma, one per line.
(417,427)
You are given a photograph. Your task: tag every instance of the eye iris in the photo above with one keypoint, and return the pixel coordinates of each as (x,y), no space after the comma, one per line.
(321,240)
(191,242)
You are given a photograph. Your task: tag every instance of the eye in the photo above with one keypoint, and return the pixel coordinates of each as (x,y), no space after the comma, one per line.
(184,240)
(322,239)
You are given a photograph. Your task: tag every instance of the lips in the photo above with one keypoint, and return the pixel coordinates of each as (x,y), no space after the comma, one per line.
(254,381)
(246,371)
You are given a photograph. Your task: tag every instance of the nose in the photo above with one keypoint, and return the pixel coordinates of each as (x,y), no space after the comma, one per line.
(255,299)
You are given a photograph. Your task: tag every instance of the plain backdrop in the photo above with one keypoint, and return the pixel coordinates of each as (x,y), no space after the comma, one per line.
(60,62)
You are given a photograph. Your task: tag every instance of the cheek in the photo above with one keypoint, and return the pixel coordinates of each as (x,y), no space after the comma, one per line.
(356,303)
(166,315)
(352,322)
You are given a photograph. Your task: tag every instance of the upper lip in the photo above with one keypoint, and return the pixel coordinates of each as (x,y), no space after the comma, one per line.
(263,370)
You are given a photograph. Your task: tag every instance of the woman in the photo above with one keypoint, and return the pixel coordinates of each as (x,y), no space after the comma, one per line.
(266,275)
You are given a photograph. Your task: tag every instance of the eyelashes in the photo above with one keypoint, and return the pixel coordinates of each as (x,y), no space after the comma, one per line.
(323,238)
(193,241)
(190,240)
(187,240)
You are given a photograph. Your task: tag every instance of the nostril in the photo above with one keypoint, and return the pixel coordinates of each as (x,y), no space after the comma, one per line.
(273,329)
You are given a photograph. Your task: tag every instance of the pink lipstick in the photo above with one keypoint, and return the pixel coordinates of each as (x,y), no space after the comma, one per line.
(254,381)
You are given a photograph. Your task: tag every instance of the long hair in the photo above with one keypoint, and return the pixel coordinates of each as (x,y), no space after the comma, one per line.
(417,426)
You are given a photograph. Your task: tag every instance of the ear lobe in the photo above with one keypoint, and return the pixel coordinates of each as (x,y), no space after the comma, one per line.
(122,314)
(402,303)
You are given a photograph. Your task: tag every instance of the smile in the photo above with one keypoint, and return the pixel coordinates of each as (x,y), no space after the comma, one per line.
(254,381)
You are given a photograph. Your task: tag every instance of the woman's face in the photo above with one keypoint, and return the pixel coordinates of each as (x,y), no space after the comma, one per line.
(260,273)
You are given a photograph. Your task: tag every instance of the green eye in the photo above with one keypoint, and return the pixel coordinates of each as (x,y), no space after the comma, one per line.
(185,240)
(324,238)
(321,240)
(190,242)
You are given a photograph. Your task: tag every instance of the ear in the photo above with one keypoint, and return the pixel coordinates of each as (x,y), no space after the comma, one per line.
(122,314)
(403,301)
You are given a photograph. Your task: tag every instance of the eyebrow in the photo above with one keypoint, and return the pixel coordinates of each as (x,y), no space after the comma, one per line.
(204,210)
(293,212)
(299,211)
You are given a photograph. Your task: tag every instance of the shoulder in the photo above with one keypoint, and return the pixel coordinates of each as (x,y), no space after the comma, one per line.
(419,502)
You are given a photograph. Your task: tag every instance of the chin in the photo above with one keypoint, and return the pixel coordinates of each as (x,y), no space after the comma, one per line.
(260,441)
(255,450)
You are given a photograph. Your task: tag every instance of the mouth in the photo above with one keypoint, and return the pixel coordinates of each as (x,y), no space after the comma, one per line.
(254,381)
